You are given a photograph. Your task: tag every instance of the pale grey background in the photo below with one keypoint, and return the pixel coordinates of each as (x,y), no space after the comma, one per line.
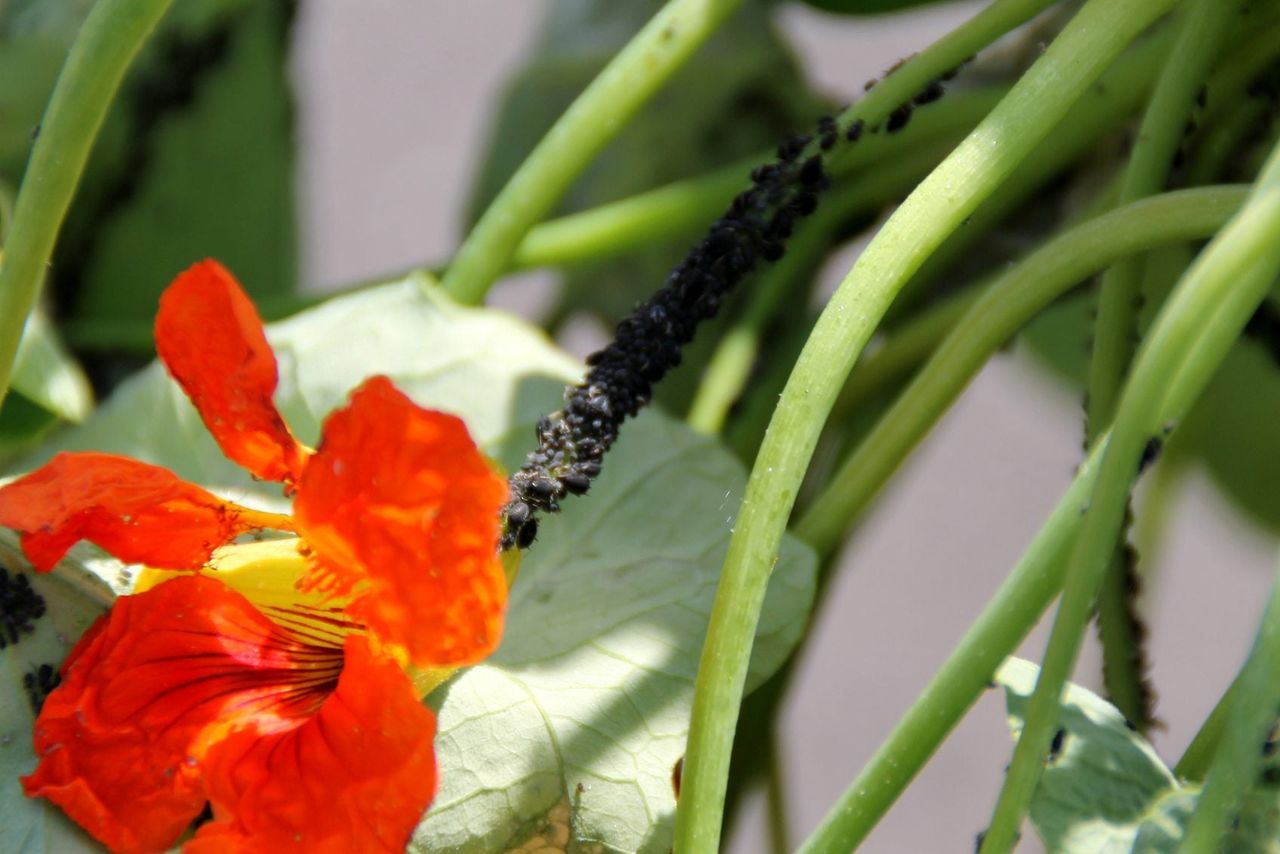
(394,98)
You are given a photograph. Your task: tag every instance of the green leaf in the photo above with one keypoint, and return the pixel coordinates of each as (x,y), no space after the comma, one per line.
(1257,831)
(74,596)
(1096,790)
(572,731)
(196,161)
(577,722)
(47,375)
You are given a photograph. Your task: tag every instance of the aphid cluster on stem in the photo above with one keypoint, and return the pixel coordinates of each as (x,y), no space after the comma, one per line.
(648,343)
(20,607)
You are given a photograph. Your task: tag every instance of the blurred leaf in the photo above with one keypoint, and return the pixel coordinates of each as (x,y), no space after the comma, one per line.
(74,597)
(1095,791)
(23,424)
(47,375)
(741,93)
(1256,831)
(575,725)
(207,168)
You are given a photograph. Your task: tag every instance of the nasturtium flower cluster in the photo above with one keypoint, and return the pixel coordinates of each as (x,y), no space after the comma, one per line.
(264,680)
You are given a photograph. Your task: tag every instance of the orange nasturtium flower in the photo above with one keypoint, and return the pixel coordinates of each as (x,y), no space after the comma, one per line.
(264,679)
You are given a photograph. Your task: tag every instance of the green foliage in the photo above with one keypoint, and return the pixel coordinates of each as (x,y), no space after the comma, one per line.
(580,717)
(1105,790)
(196,158)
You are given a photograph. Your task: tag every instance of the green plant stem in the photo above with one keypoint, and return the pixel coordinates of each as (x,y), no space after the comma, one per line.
(1193,333)
(905,348)
(685,207)
(1012,612)
(1101,110)
(1004,308)
(949,52)
(1199,29)
(1194,764)
(938,206)
(630,79)
(1037,578)
(109,39)
(1236,761)
(730,366)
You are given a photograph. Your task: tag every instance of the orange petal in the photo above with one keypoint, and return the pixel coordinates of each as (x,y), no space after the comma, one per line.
(400,507)
(356,777)
(138,512)
(210,338)
(121,740)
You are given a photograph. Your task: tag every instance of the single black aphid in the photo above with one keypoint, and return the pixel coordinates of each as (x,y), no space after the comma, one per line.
(1055,746)
(20,607)
(39,684)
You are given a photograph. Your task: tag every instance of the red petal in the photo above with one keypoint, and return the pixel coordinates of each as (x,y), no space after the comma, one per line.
(356,777)
(138,512)
(399,501)
(121,740)
(210,338)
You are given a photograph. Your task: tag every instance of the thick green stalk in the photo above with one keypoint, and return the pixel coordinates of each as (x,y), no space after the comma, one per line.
(1090,42)
(1194,764)
(1012,612)
(1199,30)
(1005,307)
(1236,761)
(905,348)
(730,366)
(1037,578)
(1193,333)
(602,110)
(1200,27)
(109,39)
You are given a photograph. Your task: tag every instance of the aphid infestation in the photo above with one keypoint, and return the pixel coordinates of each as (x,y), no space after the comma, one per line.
(825,406)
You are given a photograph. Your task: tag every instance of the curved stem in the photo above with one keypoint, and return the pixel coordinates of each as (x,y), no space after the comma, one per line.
(108,40)
(730,366)
(1037,578)
(1191,336)
(1236,760)
(1005,307)
(629,80)
(1199,31)
(1091,41)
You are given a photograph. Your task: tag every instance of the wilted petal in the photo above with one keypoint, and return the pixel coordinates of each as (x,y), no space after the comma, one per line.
(356,777)
(401,510)
(138,512)
(209,336)
(158,680)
